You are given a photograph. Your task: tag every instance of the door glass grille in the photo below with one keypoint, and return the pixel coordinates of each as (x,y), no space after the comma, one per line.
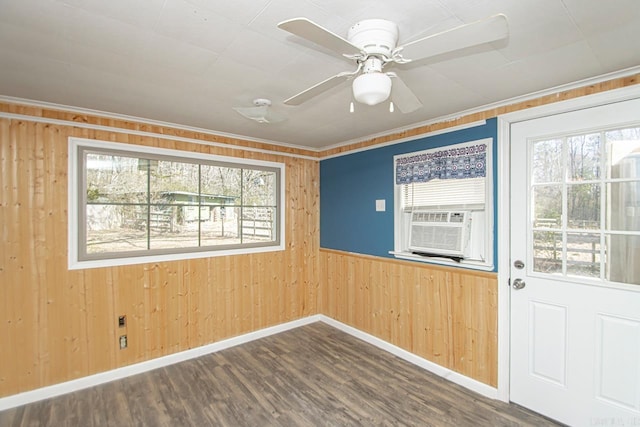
(585,205)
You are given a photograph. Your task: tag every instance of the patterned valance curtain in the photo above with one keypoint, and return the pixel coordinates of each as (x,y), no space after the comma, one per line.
(449,163)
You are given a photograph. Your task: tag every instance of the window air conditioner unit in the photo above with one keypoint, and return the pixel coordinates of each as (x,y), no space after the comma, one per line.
(439,233)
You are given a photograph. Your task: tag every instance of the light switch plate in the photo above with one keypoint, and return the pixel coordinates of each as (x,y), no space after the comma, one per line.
(380,205)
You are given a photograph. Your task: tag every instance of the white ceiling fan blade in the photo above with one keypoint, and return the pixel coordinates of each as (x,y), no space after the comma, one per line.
(402,96)
(313,32)
(479,32)
(317,89)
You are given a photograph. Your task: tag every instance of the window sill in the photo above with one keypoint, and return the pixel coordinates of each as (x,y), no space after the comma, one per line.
(473,265)
(75,264)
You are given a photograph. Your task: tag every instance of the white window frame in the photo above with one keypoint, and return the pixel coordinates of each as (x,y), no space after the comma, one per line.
(400,218)
(75,180)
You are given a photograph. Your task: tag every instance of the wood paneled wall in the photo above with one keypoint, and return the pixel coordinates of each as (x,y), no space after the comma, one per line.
(445,315)
(57,325)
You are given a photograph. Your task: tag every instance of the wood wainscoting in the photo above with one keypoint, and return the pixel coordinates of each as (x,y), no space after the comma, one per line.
(57,325)
(445,315)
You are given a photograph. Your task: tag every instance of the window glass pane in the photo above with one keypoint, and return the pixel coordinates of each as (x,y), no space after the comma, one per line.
(258,188)
(174,183)
(547,161)
(547,251)
(623,253)
(623,200)
(223,228)
(584,157)
(221,192)
(116,228)
(114,179)
(173,227)
(157,203)
(258,224)
(583,206)
(175,217)
(220,185)
(547,200)
(623,153)
(583,254)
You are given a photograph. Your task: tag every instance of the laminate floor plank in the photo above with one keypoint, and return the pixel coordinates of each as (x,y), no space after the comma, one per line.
(314,375)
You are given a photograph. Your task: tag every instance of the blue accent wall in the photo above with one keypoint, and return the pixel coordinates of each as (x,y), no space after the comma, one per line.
(351,184)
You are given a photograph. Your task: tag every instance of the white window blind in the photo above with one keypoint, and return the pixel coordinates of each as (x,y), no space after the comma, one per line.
(444,193)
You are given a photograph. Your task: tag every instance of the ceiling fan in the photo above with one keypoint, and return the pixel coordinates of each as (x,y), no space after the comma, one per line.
(372,44)
(261,112)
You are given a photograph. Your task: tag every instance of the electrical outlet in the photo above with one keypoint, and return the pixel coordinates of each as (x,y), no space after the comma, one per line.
(122,321)
(123,342)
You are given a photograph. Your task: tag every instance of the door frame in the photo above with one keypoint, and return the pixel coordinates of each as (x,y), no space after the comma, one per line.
(504,214)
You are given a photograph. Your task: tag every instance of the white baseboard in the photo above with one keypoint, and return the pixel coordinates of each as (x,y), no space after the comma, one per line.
(470,383)
(138,368)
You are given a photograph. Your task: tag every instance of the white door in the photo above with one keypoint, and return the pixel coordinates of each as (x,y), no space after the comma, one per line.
(575,265)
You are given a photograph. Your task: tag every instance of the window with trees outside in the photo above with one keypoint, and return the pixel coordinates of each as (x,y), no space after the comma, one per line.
(586,205)
(131,204)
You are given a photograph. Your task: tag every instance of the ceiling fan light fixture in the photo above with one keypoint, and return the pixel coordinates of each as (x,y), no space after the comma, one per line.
(371,88)
(373,43)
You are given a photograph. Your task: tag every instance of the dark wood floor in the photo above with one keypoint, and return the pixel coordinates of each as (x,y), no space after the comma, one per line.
(310,376)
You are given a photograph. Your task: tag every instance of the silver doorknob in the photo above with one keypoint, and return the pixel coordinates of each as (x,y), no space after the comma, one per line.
(518,284)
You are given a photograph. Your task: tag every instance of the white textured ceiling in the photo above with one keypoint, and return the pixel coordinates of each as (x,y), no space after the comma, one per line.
(190,61)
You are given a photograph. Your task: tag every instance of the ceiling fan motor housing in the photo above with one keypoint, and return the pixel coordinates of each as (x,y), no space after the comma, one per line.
(262,102)
(374,36)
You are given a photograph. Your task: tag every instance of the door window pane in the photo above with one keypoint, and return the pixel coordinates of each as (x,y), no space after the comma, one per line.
(583,206)
(573,219)
(547,252)
(547,161)
(622,259)
(547,201)
(584,157)
(583,254)
(624,200)
(623,148)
